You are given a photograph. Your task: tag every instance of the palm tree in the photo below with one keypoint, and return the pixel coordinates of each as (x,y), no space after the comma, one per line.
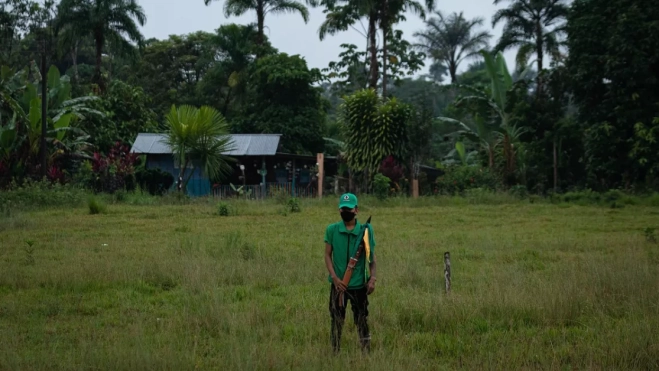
(263,7)
(534,26)
(382,14)
(228,77)
(198,137)
(452,40)
(107,21)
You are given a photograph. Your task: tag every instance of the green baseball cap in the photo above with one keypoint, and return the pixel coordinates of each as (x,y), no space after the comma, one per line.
(348,200)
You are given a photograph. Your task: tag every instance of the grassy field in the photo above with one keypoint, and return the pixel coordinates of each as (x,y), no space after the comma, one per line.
(535,286)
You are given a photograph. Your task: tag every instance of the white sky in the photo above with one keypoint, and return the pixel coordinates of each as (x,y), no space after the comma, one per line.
(290,34)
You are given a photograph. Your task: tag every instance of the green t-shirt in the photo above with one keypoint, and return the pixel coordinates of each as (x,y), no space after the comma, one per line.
(338,236)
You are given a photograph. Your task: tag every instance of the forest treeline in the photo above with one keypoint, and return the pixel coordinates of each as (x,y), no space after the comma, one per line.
(578,110)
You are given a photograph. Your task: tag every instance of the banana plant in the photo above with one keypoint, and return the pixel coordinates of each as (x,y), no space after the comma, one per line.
(7,139)
(483,133)
(493,128)
(10,83)
(21,103)
(240,191)
(62,110)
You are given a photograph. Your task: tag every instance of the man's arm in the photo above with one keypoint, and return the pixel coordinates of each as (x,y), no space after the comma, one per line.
(372,265)
(371,281)
(330,268)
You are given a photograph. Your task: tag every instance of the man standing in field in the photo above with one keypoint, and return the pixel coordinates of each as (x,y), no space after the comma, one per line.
(342,240)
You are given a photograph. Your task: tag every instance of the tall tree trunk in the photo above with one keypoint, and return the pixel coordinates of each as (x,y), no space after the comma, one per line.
(74,59)
(181,175)
(44,113)
(385,32)
(507,155)
(412,175)
(110,59)
(260,24)
(373,68)
(99,61)
(555,167)
(539,45)
(453,70)
(226,102)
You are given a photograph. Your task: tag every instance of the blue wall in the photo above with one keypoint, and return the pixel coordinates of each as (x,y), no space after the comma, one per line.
(198,184)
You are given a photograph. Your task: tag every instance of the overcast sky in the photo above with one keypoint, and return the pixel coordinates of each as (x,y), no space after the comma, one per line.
(289,33)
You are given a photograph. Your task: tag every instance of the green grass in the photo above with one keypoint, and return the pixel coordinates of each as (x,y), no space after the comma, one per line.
(148,286)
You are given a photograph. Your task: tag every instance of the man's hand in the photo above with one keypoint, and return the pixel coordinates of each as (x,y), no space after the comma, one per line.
(370,287)
(328,263)
(339,284)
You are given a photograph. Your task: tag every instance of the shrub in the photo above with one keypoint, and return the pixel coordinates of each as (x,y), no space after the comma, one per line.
(96,206)
(223,209)
(84,177)
(119,196)
(459,178)
(155,181)
(31,194)
(111,171)
(652,200)
(392,170)
(519,191)
(381,186)
(294,205)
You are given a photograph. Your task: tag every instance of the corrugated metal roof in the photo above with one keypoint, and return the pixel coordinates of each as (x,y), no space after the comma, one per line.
(243,144)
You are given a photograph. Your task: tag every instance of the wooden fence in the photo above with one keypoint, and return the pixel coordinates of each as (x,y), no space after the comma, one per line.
(256,191)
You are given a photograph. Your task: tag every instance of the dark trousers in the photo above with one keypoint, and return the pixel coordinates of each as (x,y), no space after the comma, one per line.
(359,303)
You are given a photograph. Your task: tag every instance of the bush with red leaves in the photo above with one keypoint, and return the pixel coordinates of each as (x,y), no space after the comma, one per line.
(111,171)
(55,175)
(391,169)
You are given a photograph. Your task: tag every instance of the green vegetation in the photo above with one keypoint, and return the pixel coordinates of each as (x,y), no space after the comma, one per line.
(546,198)
(198,137)
(555,123)
(96,206)
(534,286)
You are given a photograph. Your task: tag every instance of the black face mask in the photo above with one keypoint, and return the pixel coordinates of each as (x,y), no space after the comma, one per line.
(347,215)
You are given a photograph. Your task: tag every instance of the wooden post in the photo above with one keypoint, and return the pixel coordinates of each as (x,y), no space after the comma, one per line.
(415,180)
(293,181)
(320,161)
(263,172)
(447,271)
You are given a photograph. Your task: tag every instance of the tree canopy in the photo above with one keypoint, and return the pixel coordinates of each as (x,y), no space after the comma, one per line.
(579,110)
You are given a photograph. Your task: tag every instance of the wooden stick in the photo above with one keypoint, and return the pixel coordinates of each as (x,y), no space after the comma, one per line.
(447,271)
(320,159)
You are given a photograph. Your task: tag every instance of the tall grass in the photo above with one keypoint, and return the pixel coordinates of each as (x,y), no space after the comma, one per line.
(180,287)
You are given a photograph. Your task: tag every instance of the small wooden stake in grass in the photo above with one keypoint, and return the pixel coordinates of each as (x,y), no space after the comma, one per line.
(447,271)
